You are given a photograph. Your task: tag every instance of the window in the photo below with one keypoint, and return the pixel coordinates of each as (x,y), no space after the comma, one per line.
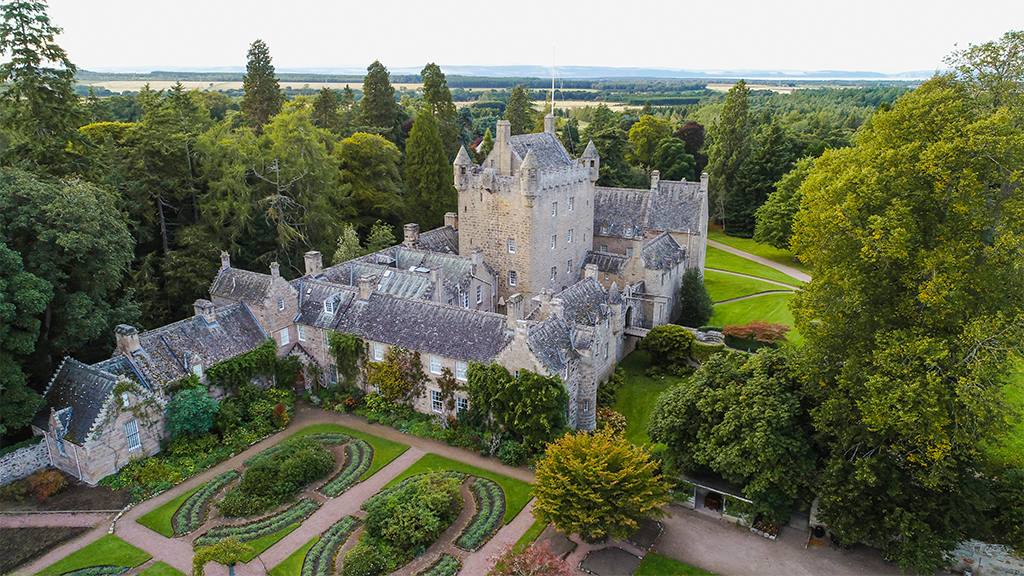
(554,209)
(605,350)
(131,429)
(329,306)
(511,277)
(554,272)
(554,241)
(280,303)
(435,401)
(284,336)
(460,371)
(60,448)
(604,230)
(586,405)
(517,374)
(568,238)
(604,248)
(479,294)
(568,267)
(435,365)
(332,373)
(378,352)
(511,245)
(629,232)
(302,332)
(465,300)
(461,404)
(570,203)
(197,367)
(629,252)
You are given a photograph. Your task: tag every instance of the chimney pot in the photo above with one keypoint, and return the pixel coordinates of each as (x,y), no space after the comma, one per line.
(514,309)
(225,260)
(452,219)
(275,270)
(549,124)
(655,178)
(206,310)
(365,286)
(412,235)
(314,263)
(127,339)
(590,271)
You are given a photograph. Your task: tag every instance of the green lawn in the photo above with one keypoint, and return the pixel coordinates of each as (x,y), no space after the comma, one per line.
(658,565)
(723,260)
(517,492)
(108,550)
(635,400)
(772,253)
(260,545)
(770,307)
(384,451)
(528,537)
(292,565)
(1012,452)
(159,520)
(724,286)
(161,569)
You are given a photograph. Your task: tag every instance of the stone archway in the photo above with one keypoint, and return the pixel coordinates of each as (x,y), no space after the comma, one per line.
(629,317)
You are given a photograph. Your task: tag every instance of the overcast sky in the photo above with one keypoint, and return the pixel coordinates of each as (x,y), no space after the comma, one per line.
(870,35)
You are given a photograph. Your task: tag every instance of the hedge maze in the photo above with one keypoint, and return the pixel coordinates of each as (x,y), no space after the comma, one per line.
(490,507)
(358,456)
(259,528)
(193,512)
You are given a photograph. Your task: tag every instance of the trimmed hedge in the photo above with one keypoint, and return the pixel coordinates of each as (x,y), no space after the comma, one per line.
(259,528)
(358,456)
(703,352)
(193,511)
(320,558)
(325,439)
(98,571)
(405,483)
(445,565)
(490,507)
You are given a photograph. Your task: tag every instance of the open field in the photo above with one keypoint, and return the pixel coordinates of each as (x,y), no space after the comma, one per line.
(772,253)
(776,89)
(770,307)
(136,85)
(161,569)
(723,260)
(657,565)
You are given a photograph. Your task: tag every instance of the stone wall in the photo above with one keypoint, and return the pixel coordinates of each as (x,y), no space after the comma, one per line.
(987,559)
(22,462)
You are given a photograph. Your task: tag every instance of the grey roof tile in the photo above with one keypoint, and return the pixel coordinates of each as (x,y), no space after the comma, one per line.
(675,207)
(585,302)
(240,285)
(606,261)
(549,342)
(662,252)
(550,153)
(444,239)
(77,393)
(620,212)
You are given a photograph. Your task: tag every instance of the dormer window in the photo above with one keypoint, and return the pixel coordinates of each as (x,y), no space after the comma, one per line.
(197,369)
(125,400)
(629,232)
(280,303)
(329,306)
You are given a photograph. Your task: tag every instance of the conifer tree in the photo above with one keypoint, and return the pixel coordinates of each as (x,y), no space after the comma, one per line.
(438,99)
(325,111)
(263,98)
(730,145)
(519,110)
(695,305)
(428,175)
(487,143)
(380,111)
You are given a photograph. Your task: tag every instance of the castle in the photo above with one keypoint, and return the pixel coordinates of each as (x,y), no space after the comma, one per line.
(539,269)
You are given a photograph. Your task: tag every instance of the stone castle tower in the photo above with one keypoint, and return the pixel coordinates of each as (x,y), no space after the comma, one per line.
(530,207)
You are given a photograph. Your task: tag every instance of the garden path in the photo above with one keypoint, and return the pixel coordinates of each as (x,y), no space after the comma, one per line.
(71,519)
(787,270)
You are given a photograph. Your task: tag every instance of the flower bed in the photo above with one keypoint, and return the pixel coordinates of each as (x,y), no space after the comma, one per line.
(259,528)
(358,456)
(401,485)
(326,439)
(762,526)
(490,507)
(445,565)
(192,513)
(320,558)
(98,571)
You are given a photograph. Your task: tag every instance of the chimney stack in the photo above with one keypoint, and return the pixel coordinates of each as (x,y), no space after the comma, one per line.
(127,339)
(314,263)
(476,257)
(655,178)
(704,183)
(451,219)
(205,310)
(412,235)
(514,309)
(365,286)
(590,271)
(275,270)
(557,307)
(437,279)
(225,260)
(549,124)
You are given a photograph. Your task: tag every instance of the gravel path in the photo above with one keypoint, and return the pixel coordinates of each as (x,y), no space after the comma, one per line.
(787,270)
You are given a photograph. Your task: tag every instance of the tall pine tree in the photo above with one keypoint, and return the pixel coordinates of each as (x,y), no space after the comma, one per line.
(428,174)
(380,111)
(438,99)
(770,158)
(730,145)
(519,110)
(263,97)
(325,111)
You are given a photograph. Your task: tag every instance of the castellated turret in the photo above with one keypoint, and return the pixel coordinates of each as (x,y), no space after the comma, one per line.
(461,168)
(592,160)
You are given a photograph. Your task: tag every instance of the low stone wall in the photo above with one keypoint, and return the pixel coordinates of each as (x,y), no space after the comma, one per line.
(22,462)
(984,559)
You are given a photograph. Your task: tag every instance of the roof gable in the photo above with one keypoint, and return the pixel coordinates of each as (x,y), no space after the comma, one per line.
(240,285)
(585,302)
(76,394)
(548,151)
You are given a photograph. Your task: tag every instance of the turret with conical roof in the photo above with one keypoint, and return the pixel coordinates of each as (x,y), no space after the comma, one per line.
(592,160)
(528,177)
(461,167)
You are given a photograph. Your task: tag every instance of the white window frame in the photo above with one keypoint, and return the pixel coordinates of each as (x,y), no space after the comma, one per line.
(511,277)
(197,368)
(554,273)
(329,306)
(605,350)
(465,300)
(461,403)
(280,303)
(511,245)
(604,248)
(460,371)
(435,365)
(479,294)
(126,401)
(554,241)
(285,339)
(629,252)
(568,266)
(132,436)
(586,405)
(570,203)
(554,209)
(302,332)
(378,352)
(436,404)
(568,237)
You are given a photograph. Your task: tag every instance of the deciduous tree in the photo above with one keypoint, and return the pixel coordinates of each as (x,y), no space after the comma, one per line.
(672,161)
(370,167)
(191,412)
(645,136)
(23,298)
(774,219)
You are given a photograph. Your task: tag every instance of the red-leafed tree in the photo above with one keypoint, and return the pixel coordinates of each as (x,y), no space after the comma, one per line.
(536,560)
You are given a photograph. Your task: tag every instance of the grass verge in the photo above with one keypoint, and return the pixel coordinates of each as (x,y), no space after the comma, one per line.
(723,260)
(517,492)
(770,308)
(724,286)
(161,569)
(292,565)
(530,536)
(108,550)
(384,451)
(159,520)
(784,257)
(657,565)
(636,399)
(260,545)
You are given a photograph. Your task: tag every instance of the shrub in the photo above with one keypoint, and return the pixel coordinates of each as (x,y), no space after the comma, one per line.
(445,565)
(192,512)
(191,412)
(191,446)
(695,304)
(319,560)
(760,331)
(363,560)
(45,483)
(274,478)
(512,453)
(607,392)
(259,528)
(108,570)
(702,352)
(13,492)
(358,457)
(413,514)
(490,508)
(668,345)
(608,418)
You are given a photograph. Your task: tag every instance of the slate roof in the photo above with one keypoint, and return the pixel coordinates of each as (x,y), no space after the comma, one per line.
(550,153)
(240,285)
(449,331)
(549,342)
(662,252)
(77,393)
(675,207)
(167,352)
(444,239)
(391,269)
(606,261)
(313,294)
(585,302)
(623,211)
(121,367)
